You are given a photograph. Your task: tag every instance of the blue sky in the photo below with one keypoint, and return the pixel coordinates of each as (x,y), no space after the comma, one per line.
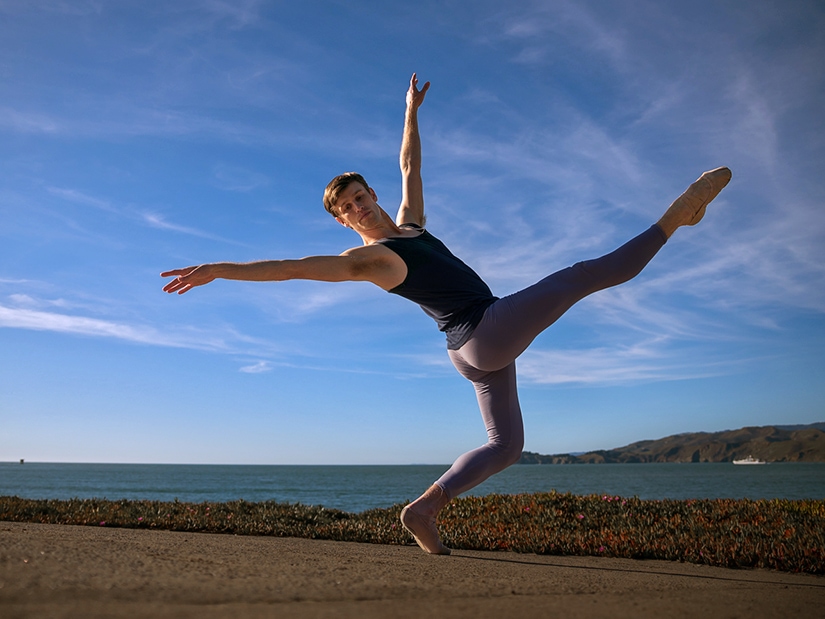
(138,137)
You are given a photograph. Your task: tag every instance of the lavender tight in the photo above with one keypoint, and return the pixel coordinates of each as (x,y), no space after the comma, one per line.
(506,330)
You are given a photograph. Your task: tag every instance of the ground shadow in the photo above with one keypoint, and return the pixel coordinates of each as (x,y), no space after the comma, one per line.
(628,570)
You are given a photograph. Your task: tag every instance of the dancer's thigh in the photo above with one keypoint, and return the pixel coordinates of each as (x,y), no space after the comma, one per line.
(510,324)
(497,394)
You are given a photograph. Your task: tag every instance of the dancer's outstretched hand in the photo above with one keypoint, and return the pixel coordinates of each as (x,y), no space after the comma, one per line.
(188,278)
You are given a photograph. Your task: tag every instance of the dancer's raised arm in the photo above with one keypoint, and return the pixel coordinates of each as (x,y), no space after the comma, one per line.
(411,210)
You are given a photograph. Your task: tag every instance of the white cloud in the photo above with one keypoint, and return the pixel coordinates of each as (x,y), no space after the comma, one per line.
(24,300)
(48,321)
(21,318)
(258,367)
(646,361)
(538,27)
(158,221)
(81,198)
(299,301)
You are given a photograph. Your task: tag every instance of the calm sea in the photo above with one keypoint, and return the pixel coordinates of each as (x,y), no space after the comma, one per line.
(357,488)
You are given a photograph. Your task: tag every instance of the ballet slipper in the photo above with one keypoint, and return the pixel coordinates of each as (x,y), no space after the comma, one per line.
(424,531)
(697,197)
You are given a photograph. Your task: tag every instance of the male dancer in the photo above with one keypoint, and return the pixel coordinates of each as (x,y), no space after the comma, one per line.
(484,334)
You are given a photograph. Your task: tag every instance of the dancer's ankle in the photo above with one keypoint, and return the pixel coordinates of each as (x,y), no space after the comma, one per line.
(431,502)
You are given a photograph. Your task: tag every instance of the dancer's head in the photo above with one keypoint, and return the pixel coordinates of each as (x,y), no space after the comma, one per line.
(337,185)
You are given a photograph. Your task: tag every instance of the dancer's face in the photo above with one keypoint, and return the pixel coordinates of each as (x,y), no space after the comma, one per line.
(357,207)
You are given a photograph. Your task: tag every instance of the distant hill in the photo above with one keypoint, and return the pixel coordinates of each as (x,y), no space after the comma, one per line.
(802,443)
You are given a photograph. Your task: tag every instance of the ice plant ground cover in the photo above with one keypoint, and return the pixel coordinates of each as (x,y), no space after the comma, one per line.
(776,534)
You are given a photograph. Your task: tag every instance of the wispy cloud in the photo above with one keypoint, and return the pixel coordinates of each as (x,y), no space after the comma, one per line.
(302,301)
(24,300)
(241,13)
(19,318)
(158,221)
(236,178)
(154,220)
(79,197)
(646,361)
(538,25)
(259,367)
(60,7)
(28,122)
(4,280)
(37,320)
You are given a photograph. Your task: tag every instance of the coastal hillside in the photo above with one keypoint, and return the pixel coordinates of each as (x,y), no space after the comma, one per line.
(802,443)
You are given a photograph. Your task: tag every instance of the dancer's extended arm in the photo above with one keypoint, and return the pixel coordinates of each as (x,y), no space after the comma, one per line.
(372,263)
(411,210)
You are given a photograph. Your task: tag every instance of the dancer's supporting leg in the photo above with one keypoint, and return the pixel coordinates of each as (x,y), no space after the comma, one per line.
(497,395)
(498,402)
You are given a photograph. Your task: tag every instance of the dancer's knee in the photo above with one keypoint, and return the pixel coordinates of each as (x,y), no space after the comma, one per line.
(515,452)
(508,453)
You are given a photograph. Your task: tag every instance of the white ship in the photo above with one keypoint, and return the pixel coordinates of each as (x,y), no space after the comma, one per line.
(749,460)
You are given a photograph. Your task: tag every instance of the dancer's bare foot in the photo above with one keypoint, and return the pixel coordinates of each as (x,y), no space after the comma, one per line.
(423,531)
(419,519)
(689,208)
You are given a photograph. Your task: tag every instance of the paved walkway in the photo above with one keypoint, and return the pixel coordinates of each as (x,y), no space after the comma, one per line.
(68,571)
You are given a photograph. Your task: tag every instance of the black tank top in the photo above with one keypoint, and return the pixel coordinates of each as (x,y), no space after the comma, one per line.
(447,290)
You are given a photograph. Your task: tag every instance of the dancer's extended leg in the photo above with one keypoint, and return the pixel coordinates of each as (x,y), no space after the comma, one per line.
(513,322)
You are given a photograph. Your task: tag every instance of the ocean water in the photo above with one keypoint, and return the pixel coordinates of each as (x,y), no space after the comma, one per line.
(358,488)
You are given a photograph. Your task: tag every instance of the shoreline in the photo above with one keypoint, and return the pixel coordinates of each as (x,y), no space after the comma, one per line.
(69,571)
